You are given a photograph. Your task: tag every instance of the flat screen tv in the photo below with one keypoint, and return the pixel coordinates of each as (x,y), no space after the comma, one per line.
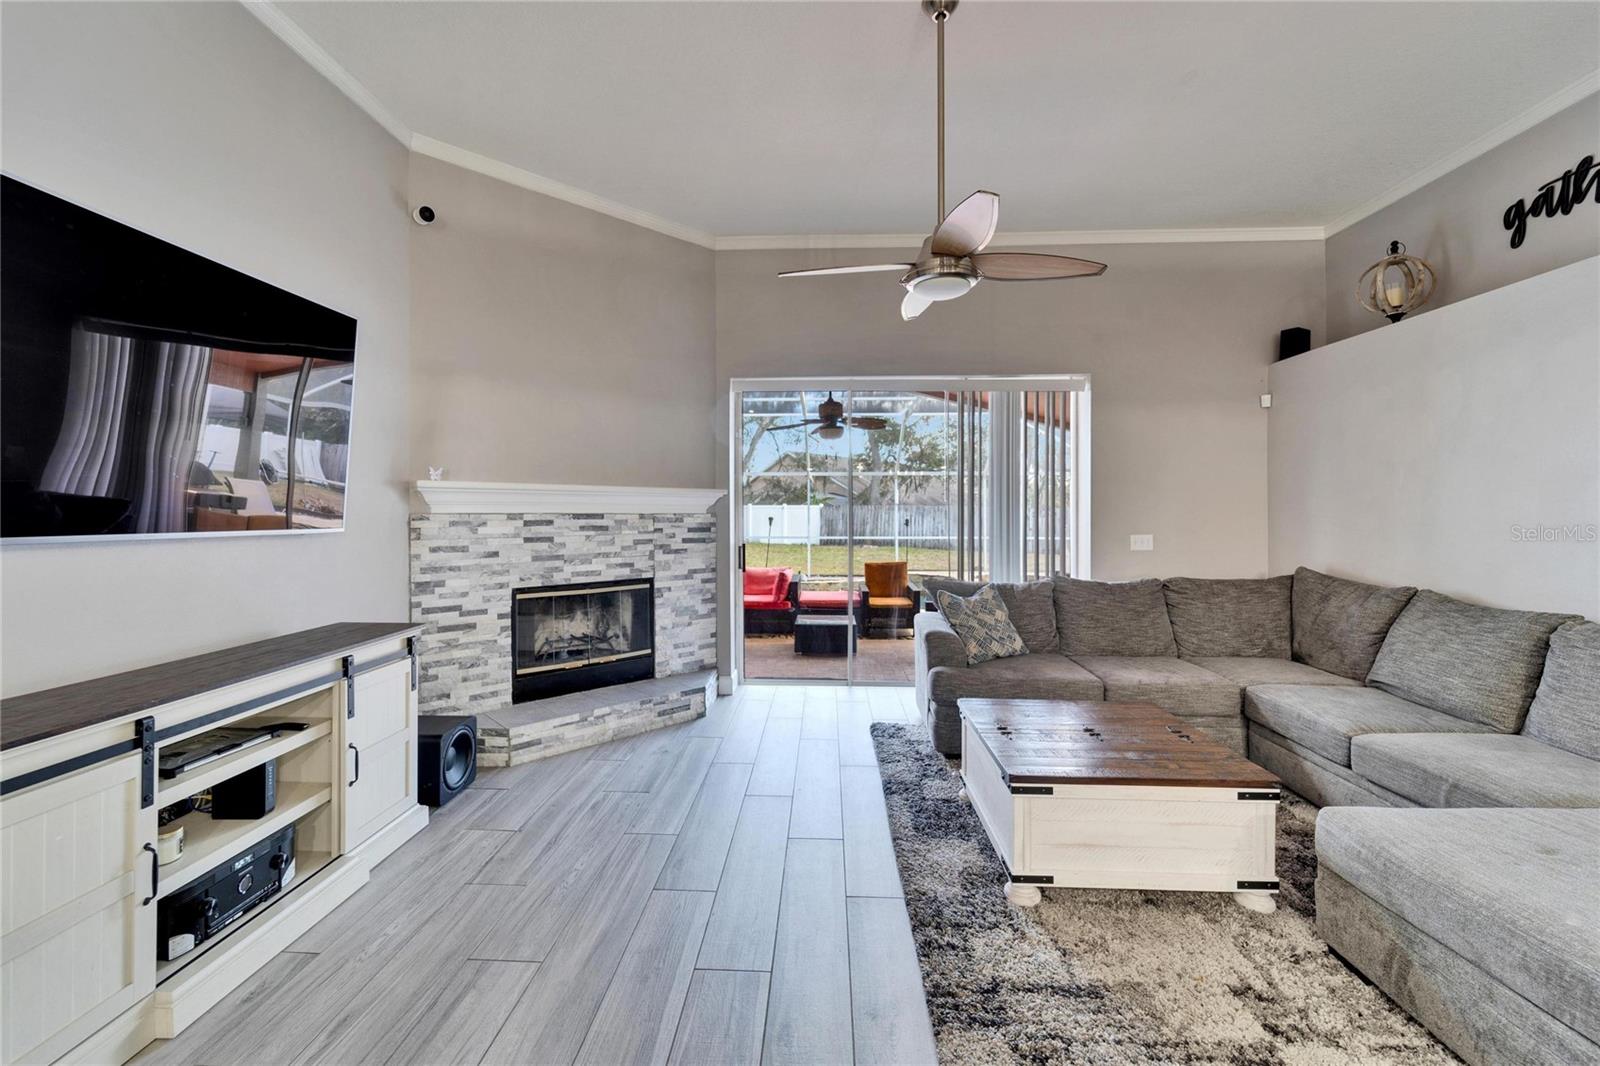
(149,391)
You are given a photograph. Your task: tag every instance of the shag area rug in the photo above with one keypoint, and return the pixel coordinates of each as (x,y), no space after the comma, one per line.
(1094,976)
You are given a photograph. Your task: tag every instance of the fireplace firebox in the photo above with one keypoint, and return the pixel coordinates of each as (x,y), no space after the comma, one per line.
(567,638)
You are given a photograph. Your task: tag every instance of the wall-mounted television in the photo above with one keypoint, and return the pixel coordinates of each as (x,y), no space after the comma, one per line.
(149,391)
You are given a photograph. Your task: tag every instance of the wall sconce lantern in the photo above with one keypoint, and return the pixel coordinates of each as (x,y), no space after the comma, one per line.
(1395,285)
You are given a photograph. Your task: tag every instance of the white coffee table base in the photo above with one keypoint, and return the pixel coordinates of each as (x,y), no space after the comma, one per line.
(1166,838)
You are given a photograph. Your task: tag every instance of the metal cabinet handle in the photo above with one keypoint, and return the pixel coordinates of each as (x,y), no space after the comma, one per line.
(358,765)
(155,875)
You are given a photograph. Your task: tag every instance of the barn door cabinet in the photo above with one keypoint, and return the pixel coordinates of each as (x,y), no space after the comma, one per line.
(80,794)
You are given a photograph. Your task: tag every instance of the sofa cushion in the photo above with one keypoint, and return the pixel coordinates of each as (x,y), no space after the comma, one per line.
(1112,618)
(1476,770)
(828,599)
(766,603)
(1339,625)
(1477,663)
(1249,671)
(1022,677)
(1566,708)
(981,623)
(1031,606)
(766,583)
(1513,891)
(1245,617)
(1324,717)
(1171,684)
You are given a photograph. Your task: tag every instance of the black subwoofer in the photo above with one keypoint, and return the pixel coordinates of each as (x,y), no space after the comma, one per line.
(447,756)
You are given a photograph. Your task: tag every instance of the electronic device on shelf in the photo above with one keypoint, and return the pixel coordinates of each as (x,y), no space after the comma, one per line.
(252,794)
(199,911)
(191,754)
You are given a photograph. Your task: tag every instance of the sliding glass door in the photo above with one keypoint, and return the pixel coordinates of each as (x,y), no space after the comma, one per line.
(849,494)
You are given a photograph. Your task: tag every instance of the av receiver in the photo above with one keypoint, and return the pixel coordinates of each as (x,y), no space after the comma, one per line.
(221,896)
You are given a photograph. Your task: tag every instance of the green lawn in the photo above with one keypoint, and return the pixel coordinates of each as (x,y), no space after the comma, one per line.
(829,560)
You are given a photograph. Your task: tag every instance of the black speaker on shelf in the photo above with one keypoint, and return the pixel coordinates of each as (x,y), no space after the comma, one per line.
(447,756)
(1296,340)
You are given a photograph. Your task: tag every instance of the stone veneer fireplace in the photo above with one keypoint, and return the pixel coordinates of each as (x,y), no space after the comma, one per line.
(476,548)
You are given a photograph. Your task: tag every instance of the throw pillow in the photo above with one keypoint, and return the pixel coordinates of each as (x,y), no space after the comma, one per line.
(980,620)
(1030,606)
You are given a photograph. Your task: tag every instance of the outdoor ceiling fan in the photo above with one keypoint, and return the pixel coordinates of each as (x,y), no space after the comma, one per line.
(831,420)
(953,259)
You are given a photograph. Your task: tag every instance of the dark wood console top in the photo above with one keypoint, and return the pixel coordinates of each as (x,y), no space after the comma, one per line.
(1068,742)
(54,711)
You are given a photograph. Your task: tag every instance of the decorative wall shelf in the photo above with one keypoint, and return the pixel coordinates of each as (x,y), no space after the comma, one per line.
(500,497)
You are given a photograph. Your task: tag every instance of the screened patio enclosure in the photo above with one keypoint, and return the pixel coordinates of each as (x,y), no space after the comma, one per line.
(840,522)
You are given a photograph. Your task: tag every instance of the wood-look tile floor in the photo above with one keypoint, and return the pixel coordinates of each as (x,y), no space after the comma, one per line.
(723,891)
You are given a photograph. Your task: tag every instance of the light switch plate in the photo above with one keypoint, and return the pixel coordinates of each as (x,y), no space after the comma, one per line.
(1142,542)
(1266,399)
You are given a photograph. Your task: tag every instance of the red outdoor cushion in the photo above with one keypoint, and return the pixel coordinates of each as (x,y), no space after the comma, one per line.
(826,600)
(766,603)
(764,583)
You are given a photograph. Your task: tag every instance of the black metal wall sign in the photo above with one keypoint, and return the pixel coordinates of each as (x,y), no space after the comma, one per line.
(1555,197)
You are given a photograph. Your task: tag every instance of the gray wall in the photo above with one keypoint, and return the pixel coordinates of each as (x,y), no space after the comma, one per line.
(1455,222)
(192,122)
(1177,339)
(1458,450)
(553,343)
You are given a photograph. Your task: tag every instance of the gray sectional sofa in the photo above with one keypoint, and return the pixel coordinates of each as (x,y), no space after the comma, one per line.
(1455,749)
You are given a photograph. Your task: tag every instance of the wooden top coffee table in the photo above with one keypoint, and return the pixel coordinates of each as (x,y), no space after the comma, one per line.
(1117,795)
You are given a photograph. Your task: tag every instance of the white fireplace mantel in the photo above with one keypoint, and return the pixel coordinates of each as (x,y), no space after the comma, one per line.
(501,497)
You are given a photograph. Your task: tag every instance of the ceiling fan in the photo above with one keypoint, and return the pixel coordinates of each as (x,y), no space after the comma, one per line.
(831,420)
(952,259)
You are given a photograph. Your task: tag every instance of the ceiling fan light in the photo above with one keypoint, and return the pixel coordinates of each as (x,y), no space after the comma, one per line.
(942,286)
(829,432)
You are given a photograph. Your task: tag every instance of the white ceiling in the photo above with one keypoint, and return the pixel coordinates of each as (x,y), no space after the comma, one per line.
(818,118)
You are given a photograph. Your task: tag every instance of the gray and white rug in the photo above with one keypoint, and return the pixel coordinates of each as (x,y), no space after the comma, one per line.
(1103,977)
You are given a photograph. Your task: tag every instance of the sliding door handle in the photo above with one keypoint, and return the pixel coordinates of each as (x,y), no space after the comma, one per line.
(155,875)
(356,778)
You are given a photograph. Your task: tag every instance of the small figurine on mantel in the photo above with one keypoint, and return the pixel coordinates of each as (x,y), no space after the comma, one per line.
(435,473)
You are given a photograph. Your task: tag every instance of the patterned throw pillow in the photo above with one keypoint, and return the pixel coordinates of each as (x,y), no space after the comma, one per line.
(983,625)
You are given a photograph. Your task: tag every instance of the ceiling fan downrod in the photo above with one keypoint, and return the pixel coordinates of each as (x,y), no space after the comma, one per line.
(940,11)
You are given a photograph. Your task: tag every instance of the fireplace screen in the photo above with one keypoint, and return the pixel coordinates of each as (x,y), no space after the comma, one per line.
(566,638)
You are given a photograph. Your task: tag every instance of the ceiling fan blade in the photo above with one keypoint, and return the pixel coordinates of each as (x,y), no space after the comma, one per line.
(797,425)
(868,422)
(1034,266)
(969,226)
(913,305)
(866,268)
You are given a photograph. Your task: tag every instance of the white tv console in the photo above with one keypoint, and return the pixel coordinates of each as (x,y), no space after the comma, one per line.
(79,799)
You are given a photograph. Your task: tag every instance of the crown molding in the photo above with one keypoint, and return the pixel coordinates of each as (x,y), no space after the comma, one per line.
(300,43)
(526,179)
(499,497)
(1557,102)
(1028,239)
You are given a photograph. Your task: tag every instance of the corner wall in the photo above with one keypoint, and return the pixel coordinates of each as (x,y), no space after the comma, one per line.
(194,123)
(552,343)
(1458,450)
